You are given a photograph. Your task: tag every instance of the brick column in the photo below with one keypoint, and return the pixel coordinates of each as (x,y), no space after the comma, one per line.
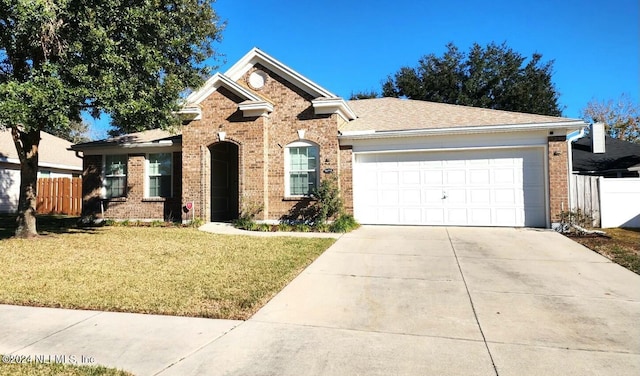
(558,176)
(346,177)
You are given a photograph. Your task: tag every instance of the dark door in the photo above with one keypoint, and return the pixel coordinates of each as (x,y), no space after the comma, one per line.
(224,181)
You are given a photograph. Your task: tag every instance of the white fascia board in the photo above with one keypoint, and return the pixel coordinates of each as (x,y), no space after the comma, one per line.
(60,166)
(43,164)
(191,113)
(256,56)
(146,147)
(575,125)
(333,105)
(213,84)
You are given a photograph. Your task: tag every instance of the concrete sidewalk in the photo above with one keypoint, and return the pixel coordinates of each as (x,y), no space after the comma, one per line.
(385,300)
(228,229)
(142,344)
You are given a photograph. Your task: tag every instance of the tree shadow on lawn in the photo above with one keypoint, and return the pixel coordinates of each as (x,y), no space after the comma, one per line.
(46,224)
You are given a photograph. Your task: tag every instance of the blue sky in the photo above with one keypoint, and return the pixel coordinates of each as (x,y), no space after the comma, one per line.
(350,46)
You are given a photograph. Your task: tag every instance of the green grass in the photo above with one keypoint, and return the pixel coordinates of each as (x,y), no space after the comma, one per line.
(173,271)
(57,369)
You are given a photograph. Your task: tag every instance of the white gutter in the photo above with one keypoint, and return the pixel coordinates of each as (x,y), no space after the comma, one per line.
(43,164)
(459,130)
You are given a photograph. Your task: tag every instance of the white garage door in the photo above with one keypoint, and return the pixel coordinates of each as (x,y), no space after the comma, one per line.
(464,188)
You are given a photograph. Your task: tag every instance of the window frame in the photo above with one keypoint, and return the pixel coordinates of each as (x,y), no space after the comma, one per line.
(106,175)
(148,176)
(288,168)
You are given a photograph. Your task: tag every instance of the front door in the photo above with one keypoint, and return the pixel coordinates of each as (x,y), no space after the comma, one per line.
(224,181)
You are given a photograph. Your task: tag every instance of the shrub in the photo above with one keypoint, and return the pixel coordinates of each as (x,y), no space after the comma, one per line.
(246,219)
(322,227)
(196,222)
(329,203)
(344,223)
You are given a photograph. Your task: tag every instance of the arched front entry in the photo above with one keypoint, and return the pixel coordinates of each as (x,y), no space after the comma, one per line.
(224,181)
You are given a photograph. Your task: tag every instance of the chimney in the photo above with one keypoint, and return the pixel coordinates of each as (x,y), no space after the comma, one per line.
(597,138)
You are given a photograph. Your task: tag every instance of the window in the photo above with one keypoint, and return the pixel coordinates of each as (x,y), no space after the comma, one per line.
(301,162)
(159,175)
(115,176)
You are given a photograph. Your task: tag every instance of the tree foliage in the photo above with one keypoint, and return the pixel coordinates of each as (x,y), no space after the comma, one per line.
(128,58)
(494,76)
(621,117)
(364,95)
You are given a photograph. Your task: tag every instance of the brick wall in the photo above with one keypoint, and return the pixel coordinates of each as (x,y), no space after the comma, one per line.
(558,176)
(134,205)
(346,177)
(261,142)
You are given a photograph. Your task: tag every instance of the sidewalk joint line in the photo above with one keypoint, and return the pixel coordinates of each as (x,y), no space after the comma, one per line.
(473,308)
(198,349)
(58,331)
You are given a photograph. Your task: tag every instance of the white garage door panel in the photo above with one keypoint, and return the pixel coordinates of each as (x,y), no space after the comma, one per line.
(477,188)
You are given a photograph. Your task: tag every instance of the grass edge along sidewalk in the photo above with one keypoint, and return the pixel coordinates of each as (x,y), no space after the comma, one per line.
(168,271)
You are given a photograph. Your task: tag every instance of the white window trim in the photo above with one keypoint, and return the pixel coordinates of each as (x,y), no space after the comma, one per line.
(103,191)
(287,163)
(147,185)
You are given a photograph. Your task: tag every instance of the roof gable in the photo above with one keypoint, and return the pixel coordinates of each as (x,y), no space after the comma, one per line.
(325,102)
(257,56)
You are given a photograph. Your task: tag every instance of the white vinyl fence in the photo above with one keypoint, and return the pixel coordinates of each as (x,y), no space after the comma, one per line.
(620,202)
(611,202)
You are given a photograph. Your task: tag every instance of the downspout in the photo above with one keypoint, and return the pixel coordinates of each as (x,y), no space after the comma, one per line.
(570,140)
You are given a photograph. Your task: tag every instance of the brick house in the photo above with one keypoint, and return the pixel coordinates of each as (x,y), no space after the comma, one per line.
(262,135)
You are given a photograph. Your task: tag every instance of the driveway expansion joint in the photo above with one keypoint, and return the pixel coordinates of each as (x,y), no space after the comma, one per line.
(385,277)
(473,308)
(367,331)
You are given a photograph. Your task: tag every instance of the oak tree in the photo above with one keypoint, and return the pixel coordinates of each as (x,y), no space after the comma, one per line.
(130,59)
(494,76)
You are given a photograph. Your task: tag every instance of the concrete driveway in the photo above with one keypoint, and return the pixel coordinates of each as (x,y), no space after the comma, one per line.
(441,301)
(386,301)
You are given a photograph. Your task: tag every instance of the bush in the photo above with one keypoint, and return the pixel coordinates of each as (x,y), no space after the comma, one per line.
(344,223)
(246,219)
(196,222)
(329,203)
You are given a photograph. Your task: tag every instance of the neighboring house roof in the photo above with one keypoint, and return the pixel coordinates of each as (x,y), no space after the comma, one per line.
(394,114)
(149,138)
(53,152)
(619,155)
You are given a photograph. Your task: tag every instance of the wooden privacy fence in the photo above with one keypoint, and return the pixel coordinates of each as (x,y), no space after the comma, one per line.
(585,196)
(59,196)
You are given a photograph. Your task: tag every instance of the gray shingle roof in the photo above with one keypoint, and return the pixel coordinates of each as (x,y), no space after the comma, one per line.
(618,155)
(394,114)
(144,137)
(53,150)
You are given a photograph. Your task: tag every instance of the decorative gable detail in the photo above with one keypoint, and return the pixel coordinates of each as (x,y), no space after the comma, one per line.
(252,106)
(333,106)
(255,108)
(325,102)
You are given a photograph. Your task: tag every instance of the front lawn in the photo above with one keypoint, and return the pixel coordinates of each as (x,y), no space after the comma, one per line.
(622,246)
(172,271)
(57,369)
